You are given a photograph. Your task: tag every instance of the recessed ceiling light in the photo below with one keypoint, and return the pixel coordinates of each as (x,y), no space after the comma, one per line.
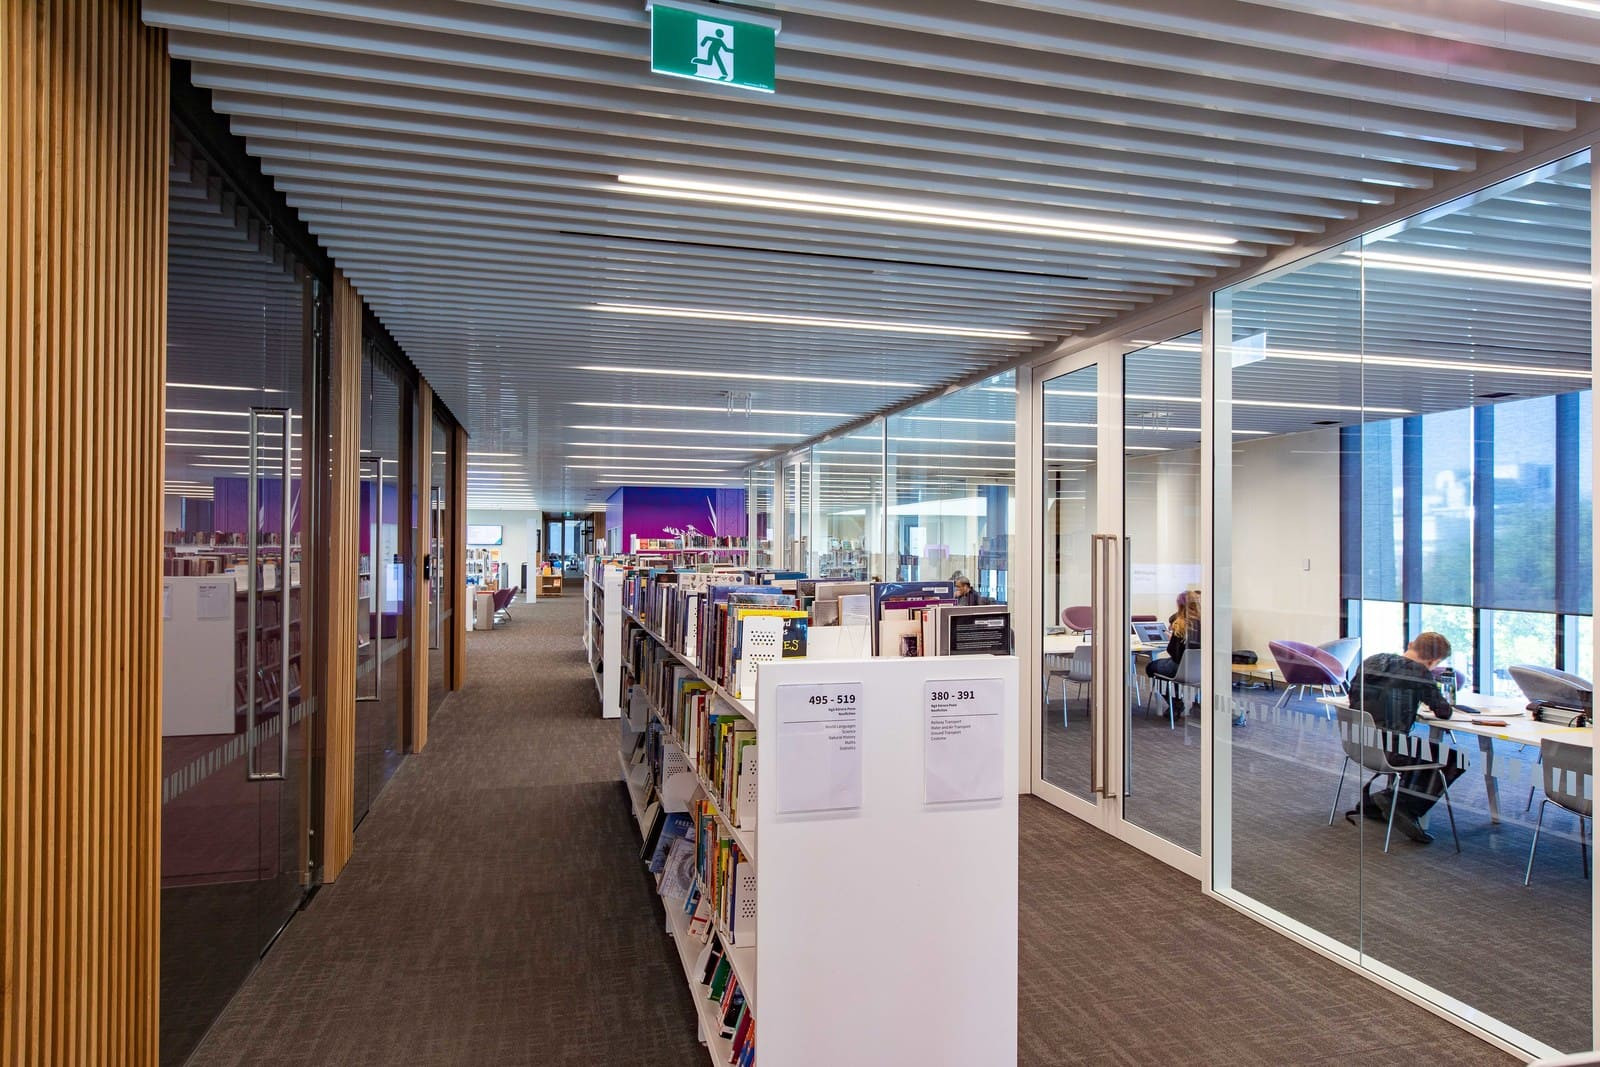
(691,460)
(750,376)
(1466,268)
(493,455)
(674,429)
(222,388)
(909,211)
(810,321)
(675,448)
(716,410)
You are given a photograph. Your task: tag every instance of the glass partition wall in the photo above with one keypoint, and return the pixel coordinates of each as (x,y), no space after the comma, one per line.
(237,594)
(1411,455)
(950,488)
(383,614)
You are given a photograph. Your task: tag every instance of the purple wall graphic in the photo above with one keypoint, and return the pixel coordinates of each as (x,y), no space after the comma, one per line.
(231,505)
(649,511)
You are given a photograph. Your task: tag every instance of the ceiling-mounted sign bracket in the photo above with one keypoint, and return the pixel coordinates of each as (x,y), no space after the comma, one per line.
(714,43)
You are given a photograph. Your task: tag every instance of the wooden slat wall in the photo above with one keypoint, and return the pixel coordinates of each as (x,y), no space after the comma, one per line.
(421,541)
(83,122)
(458,543)
(338,602)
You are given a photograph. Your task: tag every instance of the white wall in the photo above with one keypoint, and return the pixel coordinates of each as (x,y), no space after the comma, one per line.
(1286,539)
(521,536)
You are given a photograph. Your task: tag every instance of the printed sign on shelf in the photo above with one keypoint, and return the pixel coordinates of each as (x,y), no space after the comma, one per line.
(963,747)
(819,752)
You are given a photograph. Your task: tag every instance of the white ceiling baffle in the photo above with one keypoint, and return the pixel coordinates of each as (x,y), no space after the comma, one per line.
(586,258)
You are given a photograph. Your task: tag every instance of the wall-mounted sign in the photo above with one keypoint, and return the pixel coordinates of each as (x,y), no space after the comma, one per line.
(709,42)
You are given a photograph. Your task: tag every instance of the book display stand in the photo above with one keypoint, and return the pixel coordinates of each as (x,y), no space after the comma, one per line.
(879,920)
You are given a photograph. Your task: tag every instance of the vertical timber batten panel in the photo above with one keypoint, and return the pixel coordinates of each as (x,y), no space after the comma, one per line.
(422,545)
(339,603)
(83,122)
(458,545)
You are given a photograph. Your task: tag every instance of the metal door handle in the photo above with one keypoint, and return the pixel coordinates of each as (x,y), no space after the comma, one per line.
(253,600)
(375,566)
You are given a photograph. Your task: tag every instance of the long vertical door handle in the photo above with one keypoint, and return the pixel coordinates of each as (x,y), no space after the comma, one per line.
(1111,638)
(368,603)
(253,602)
(1095,784)
(286,593)
(251,594)
(380,570)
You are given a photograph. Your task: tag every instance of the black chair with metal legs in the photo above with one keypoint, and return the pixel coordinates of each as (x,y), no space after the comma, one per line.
(1370,746)
(1568,780)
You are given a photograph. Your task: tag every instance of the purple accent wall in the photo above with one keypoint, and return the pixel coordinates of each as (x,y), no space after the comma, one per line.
(231,503)
(648,510)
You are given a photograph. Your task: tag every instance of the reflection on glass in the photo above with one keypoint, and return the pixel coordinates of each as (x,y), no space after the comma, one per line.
(441,562)
(1161,505)
(1416,459)
(1065,541)
(952,471)
(235,860)
(383,615)
(848,532)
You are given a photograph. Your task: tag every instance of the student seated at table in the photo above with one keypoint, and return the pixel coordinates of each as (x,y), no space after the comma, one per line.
(1391,688)
(1185,637)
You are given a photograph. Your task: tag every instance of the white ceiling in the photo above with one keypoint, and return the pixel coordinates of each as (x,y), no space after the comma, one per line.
(460,161)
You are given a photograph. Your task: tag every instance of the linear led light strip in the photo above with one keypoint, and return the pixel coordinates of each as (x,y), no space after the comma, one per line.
(820,322)
(673,429)
(682,460)
(222,388)
(744,195)
(1311,355)
(744,376)
(672,447)
(1069,425)
(1466,268)
(1292,405)
(715,410)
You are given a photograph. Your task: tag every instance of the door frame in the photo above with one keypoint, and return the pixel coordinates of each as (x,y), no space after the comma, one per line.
(1104,813)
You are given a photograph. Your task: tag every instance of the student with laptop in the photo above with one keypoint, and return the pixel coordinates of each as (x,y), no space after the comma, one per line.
(1391,688)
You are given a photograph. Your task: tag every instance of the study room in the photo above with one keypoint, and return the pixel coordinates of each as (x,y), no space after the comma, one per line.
(1398,449)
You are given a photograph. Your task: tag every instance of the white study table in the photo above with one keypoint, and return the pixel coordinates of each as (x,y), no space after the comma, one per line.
(1519,729)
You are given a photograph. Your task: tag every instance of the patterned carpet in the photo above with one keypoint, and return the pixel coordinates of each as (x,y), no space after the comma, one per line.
(495,913)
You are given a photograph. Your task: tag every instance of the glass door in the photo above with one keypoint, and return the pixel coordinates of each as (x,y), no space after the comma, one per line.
(1121,719)
(235,601)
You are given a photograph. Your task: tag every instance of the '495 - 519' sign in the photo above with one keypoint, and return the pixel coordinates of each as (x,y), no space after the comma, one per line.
(711,43)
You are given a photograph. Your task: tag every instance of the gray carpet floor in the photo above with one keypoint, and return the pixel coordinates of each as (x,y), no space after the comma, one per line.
(495,913)
(1463,923)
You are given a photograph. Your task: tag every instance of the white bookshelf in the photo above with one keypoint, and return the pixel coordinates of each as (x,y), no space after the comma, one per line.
(602,611)
(862,900)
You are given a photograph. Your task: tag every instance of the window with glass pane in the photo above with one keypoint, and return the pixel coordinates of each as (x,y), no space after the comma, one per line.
(952,471)
(1381,502)
(1466,511)
(1517,638)
(1455,623)
(849,494)
(1445,506)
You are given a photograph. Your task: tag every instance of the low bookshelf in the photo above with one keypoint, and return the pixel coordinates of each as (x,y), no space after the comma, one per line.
(835,901)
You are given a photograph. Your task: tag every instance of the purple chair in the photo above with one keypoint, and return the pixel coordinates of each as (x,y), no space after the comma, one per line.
(502,603)
(1079,618)
(1304,667)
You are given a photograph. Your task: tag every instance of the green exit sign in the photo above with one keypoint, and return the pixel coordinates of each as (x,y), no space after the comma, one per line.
(715,44)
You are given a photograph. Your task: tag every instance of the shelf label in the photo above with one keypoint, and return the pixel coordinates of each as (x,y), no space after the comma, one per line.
(963,749)
(819,752)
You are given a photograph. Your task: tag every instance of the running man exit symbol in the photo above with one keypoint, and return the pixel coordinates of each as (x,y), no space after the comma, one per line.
(718,43)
